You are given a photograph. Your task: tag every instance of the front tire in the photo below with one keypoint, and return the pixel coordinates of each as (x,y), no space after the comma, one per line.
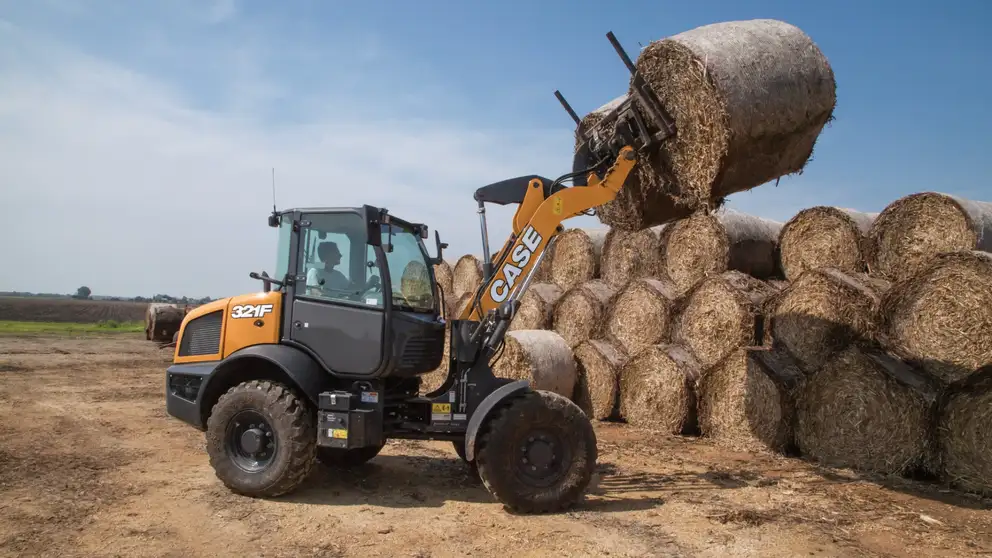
(261,439)
(538,453)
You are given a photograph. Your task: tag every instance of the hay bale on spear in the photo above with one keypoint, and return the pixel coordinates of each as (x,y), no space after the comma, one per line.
(536,307)
(822,312)
(540,356)
(747,402)
(941,318)
(824,236)
(657,390)
(641,315)
(868,410)
(709,244)
(965,432)
(749,100)
(580,311)
(598,364)
(629,255)
(467,275)
(577,254)
(723,313)
(910,231)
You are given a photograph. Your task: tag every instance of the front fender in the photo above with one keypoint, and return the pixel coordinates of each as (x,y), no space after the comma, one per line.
(485,409)
(300,367)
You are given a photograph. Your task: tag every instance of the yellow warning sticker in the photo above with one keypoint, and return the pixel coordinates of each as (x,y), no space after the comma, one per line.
(557,207)
(441,408)
(339,433)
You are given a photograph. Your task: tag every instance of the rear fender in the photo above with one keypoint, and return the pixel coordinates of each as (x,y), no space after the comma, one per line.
(485,409)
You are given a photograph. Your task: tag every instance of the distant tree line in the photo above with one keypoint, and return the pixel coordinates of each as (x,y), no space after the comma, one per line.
(85,293)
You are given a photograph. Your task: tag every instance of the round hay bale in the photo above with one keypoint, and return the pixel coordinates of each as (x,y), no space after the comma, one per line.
(415,283)
(444,276)
(540,356)
(467,275)
(580,311)
(162,321)
(460,304)
(941,318)
(822,312)
(657,390)
(704,245)
(536,307)
(867,410)
(599,363)
(749,100)
(824,236)
(576,258)
(641,315)
(630,255)
(965,433)
(747,401)
(913,229)
(723,313)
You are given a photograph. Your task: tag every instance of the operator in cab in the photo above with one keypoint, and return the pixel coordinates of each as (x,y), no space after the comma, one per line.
(319,278)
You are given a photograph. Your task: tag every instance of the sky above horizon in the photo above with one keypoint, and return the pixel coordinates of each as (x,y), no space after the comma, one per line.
(137,138)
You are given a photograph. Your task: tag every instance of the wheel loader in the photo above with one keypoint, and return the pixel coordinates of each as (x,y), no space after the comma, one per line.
(325,362)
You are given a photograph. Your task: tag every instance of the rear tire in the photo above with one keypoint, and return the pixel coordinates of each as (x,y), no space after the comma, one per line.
(261,439)
(538,453)
(342,458)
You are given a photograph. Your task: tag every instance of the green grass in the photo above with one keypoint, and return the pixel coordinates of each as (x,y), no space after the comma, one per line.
(110,326)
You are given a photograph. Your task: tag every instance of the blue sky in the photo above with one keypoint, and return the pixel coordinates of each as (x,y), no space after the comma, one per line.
(105,105)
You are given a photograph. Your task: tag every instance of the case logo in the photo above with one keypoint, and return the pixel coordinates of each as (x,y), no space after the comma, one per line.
(519,258)
(250,310)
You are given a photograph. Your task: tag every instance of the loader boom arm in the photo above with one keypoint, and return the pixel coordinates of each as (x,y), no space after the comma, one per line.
(536,226)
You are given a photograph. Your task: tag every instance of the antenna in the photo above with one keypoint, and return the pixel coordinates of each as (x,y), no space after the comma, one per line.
(274,190)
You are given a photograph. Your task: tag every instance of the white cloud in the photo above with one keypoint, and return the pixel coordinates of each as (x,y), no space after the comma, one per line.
(111,178)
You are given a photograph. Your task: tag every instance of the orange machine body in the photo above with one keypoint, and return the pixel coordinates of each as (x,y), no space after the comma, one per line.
(248,319)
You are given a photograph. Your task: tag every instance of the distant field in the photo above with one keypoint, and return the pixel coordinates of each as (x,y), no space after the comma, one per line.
(17,309)
(20,327)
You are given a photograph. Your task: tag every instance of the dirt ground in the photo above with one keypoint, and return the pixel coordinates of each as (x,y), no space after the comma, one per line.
(90,465)
(70,310)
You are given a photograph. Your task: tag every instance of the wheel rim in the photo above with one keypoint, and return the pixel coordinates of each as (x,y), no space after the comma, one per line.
(250,441)
(542,458)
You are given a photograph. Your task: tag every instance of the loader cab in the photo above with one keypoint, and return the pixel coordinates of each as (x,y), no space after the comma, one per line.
(360,293)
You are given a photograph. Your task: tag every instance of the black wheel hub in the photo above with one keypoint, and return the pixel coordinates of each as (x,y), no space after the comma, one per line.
(542,459)
(251,442)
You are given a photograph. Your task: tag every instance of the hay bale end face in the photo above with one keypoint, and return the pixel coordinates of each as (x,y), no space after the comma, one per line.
(536,307)
(825,236)
(599,363)
(641,315)
(723,313)
(749,100)
(577,254)
(162,321)
(704,245)
(822,312)
(435,378)
(580,311)
(941,319)
(868,410)
(747,401)
(657,390)
(965,433)
(467,275)
(913,229)
(637,205)
(540,356)
(630,255)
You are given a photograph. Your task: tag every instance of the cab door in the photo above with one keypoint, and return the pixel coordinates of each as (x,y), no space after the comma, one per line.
(334,315)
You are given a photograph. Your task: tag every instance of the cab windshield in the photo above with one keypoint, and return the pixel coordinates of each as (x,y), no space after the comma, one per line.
(408,270)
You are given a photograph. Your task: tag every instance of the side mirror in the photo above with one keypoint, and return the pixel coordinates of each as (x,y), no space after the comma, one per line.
(440,249)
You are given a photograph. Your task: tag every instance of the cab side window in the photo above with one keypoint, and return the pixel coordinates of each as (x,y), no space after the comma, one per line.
(337,262)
